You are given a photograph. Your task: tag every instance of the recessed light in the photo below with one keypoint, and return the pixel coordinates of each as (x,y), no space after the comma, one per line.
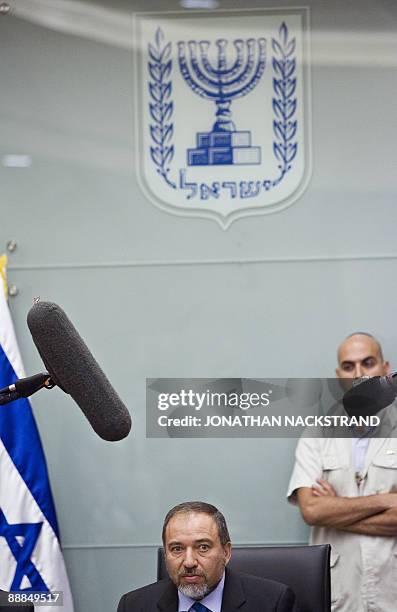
(12,160)
(199,4)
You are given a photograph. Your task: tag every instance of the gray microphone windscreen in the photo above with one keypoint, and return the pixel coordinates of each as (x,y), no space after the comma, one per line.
(73,368)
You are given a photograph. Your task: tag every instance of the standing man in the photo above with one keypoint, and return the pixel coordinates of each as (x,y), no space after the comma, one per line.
(197,549)
(346,489)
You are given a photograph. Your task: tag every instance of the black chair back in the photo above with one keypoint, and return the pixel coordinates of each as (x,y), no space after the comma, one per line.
(306,569)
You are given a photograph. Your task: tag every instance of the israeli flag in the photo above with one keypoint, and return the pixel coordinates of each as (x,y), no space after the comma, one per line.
(30,553)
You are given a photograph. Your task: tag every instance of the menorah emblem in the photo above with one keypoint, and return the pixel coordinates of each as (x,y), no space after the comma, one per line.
(222,84)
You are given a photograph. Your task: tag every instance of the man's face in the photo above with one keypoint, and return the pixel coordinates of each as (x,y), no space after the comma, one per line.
(359,356)
(194,555)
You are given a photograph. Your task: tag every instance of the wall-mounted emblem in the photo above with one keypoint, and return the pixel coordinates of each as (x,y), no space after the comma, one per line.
(222,106)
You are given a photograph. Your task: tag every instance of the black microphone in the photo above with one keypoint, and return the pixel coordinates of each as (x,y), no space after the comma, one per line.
(72,367)
(25,387)
(369,395)
(6,397)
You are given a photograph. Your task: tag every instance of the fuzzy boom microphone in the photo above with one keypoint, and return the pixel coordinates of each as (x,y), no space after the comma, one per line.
(72,367)
(368,396)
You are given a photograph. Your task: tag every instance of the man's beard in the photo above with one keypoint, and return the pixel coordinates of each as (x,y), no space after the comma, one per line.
(195,591)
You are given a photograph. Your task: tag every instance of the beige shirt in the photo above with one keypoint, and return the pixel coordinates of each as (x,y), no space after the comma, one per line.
(363,568)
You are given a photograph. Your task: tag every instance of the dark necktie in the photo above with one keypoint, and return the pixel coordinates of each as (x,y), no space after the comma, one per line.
(198,607)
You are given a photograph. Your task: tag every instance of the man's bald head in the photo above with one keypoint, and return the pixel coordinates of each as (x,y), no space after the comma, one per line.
(360,354)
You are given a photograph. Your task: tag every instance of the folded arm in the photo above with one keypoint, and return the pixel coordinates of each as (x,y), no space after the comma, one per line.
(369,514)
(381,524)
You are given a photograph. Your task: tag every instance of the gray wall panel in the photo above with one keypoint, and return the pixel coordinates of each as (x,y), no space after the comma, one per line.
(135,566)
(78,126)
(192,321)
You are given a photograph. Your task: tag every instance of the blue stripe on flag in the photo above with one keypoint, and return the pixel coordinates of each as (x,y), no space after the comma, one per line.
(20,436)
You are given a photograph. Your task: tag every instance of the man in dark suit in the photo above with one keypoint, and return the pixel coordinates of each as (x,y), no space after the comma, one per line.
(197,549)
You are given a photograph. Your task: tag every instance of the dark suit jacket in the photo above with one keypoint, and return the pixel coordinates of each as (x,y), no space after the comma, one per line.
(241,592)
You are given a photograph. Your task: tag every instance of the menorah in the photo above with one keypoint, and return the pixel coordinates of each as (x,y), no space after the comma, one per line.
(223,84)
